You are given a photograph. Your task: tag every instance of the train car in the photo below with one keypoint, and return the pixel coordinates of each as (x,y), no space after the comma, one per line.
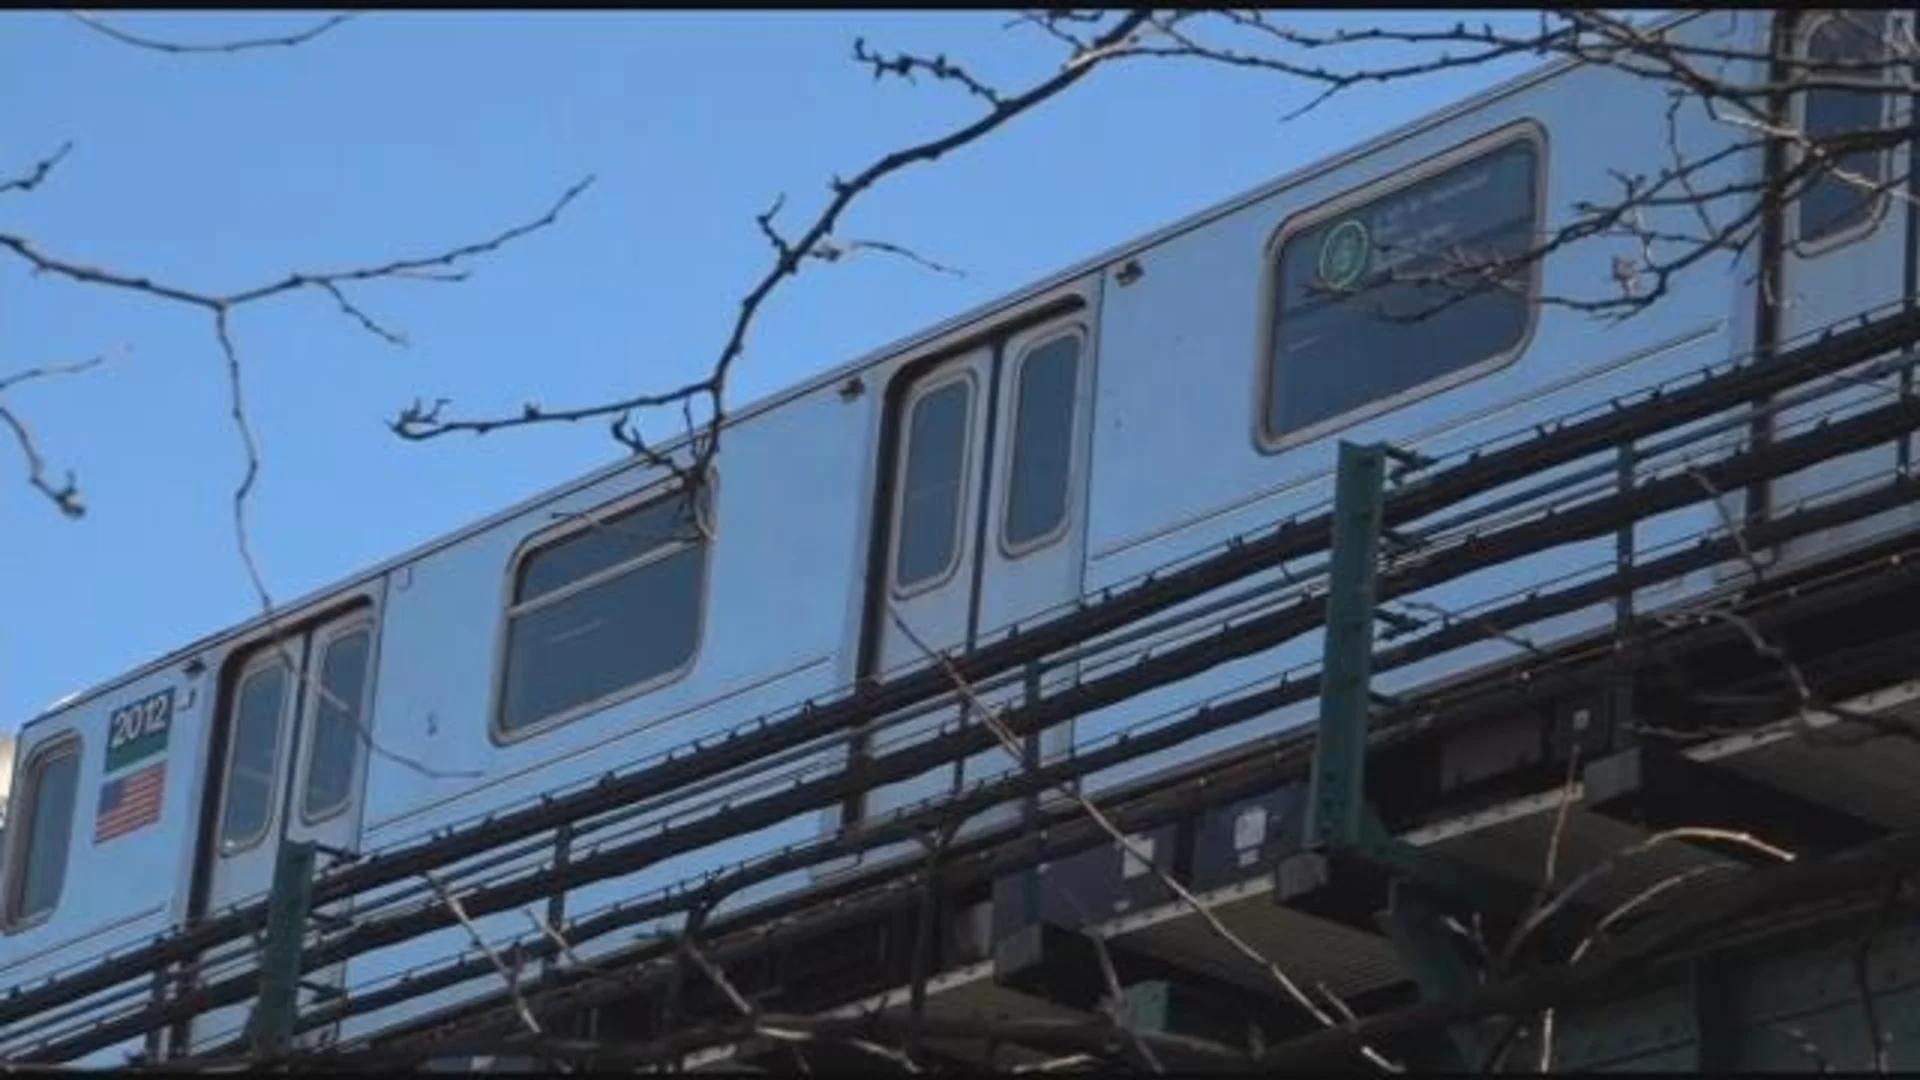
(1138,409)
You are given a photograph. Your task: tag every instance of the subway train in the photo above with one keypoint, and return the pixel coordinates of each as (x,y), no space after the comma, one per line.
(1133,411)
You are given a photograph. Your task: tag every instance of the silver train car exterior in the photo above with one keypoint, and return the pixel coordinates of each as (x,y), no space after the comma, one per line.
(1137,409)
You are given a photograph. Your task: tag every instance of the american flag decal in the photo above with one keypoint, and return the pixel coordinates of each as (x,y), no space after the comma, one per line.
(130,802)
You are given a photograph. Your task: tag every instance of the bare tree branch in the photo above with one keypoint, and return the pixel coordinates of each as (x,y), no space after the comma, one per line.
(104,28)
(905,65)
(1011,744)
(509,976)
(1809,703)
(747,1010)
(1877,1034)
(1610,864)
(559,940)
(66,495)
(39,171)
(832,250)
(1806,1045)
(408,268)
(443,266)
(221,305)
(49,371)
(1186,46)
(237,410)
(790,257)
(1114,1007)
(718,978)
(1606,922)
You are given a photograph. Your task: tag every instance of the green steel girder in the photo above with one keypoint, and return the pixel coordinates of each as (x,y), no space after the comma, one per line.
(1336,807)
(1341,822)
(272,1024)
(1417,927)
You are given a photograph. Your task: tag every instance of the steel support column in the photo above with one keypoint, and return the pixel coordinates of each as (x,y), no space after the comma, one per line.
(273,1013)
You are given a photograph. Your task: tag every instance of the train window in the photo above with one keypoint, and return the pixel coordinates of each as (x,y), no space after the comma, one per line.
(932,484)
(1379,297)
(253,755)
(611,608)
(334,748)
(1046,385)
(1847,195)
(43,831)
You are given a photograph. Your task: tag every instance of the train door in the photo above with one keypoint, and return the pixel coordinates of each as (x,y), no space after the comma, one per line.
(1847,248)
(984,525)
(291,767)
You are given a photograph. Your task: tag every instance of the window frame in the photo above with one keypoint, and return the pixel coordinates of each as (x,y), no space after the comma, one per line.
(962,373)
(576,524)
(311,703)
(1525,129)
(1030,345)
(1797,110)
(272,656)
(64,743)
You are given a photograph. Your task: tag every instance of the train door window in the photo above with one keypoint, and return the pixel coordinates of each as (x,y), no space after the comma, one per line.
(334,747)
(1377,298)
(43,830)
(1046,386)
(1846,196)
(932,484)
(610,608)
(253,755)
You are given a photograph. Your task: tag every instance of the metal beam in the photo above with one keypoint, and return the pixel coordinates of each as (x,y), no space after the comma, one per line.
(1658,787)
(1063,967)
(1340,820)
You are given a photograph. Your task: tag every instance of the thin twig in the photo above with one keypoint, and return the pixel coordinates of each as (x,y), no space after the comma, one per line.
(1806,1045)
(1606,922)
(739,1001)
(441,266)
(1809,703)
(280,41)
(833,250)
(1612,863)
(1877,1034)
(510,977)
(1115,1006)
(1563,814)
(1011,744)
(66,496)
(718,978)
(35,175)
(790,257)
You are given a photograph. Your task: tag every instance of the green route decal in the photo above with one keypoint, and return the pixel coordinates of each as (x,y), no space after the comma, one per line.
(139,730)
(1344,254)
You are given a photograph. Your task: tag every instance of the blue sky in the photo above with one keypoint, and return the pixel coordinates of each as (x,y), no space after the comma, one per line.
(403,133)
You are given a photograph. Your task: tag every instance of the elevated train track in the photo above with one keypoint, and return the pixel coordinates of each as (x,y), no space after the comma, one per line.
(1848,619)
(1502,834)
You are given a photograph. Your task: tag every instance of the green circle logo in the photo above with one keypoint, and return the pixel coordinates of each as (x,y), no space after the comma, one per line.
(1344,254)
